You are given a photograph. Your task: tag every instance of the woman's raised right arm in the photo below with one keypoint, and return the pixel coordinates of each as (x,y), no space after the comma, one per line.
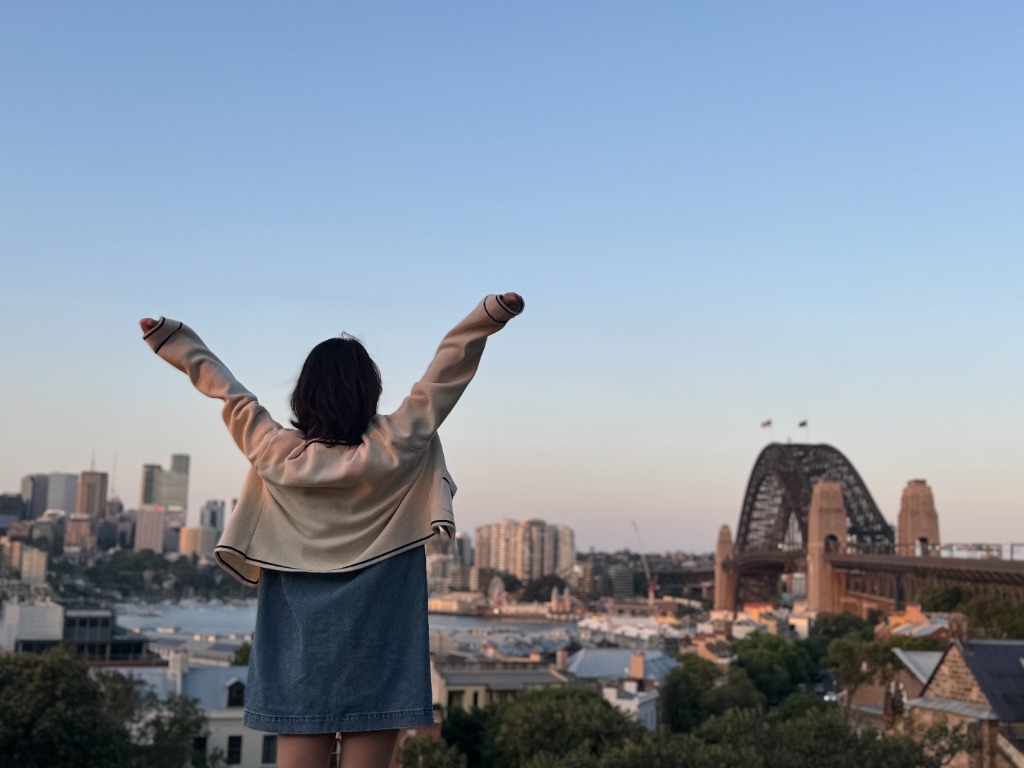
(249,422)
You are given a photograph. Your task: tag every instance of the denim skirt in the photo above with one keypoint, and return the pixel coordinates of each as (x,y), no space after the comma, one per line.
(341,651)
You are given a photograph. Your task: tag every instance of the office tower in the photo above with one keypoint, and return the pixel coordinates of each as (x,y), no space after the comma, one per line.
(92,494)
(12,507)
(166,487)
(212,515)
(80,534)
(113,509)
(62,492)
(34,490)
(150,522)
(198,542)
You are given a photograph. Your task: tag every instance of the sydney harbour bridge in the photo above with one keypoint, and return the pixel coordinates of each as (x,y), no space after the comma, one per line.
(807,510)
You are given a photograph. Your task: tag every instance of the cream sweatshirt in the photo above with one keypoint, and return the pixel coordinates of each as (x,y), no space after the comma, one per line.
(307,506)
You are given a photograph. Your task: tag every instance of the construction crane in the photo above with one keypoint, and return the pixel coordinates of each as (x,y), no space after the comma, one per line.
(652,579)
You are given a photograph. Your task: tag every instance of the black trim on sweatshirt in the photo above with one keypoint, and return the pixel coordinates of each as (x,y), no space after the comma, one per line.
(507,308)
(225,564)
(351,566)
(502,322)
(155,328)
(169,335)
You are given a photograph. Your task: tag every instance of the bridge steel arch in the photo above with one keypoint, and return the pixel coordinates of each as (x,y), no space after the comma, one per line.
(779,490)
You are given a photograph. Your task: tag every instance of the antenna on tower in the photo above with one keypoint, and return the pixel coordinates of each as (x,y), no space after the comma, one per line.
(92,461)
(113,479)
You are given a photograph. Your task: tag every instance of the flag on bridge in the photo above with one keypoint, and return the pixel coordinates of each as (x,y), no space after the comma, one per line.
(766,423)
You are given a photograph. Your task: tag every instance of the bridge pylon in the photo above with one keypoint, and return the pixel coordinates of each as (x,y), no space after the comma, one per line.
(918,524)
(826,534)
(725,580)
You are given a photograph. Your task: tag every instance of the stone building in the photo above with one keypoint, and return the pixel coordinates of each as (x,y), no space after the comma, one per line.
(979,684)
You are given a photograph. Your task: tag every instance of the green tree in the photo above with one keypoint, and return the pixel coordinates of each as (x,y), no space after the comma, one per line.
(944,600)
(52,715)
(557,721)
(775,667)
(472,733)
(827,627)
(655,750)
(990,617)
(684,690)
(168,732)
(241,657)
(539,590)
(739,692)
(430,753)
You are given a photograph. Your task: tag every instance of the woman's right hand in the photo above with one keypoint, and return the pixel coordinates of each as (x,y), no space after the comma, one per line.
(513,301)
(147,324)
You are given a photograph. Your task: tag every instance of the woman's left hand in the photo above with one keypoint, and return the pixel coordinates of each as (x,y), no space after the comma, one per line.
(147,324)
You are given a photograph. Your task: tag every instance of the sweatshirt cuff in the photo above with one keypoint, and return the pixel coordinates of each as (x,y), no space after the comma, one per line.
(161,332)
(498,310)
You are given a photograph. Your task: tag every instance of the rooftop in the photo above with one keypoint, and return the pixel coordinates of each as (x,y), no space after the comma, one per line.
(613,663)
(998,666)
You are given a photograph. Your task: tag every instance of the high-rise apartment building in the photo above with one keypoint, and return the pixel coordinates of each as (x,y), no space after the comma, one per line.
(482,553)
(527,556)
(566,549)
(92,494)
(62,492)
(528,549)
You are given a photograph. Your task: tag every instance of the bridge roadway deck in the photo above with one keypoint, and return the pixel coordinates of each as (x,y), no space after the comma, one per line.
(992,570)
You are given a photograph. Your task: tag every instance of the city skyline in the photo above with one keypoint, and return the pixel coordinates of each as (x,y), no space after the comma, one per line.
(717,215)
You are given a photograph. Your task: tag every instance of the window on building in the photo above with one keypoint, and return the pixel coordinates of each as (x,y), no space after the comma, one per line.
(234,750)
(269,749)
(236,694)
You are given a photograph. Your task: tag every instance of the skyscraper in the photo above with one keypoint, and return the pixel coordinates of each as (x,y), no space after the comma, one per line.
(168,490)
(34,489)
(62,492)
(92,494)
(166,487)
(149,529)
(212,515)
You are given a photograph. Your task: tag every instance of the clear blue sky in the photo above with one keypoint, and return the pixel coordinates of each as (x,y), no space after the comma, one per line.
(718,213)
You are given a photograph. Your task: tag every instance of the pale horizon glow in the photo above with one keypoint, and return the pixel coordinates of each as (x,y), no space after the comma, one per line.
(717,214)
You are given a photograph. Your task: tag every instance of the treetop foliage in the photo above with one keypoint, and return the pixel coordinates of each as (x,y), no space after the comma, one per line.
(53,714)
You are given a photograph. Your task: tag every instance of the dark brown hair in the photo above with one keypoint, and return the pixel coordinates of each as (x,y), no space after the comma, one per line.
(337,392)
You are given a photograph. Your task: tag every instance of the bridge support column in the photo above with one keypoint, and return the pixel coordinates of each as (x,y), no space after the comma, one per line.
(725,581)
(918,523)
(826,533)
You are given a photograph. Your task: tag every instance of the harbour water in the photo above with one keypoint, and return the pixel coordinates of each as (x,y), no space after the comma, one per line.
(239,618)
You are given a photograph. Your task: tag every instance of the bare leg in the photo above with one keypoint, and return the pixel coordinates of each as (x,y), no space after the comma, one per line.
(368,749)
(311,750)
